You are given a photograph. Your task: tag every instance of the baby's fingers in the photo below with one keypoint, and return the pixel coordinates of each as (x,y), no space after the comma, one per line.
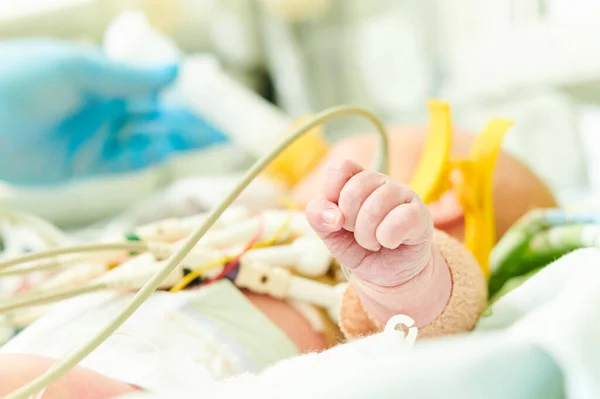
(409,224)
(338,174)
(324,217)
(373,211)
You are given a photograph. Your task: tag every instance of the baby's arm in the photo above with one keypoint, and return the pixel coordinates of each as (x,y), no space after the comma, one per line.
(383,233)
(18,369)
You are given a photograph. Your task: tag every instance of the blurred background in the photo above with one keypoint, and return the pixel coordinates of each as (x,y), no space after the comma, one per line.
(534,61)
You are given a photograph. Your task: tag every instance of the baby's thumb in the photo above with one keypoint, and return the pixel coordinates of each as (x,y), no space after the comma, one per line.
(324,217)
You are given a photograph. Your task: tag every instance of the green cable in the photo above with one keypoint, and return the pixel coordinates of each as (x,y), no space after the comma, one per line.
(126,245)
(62,366)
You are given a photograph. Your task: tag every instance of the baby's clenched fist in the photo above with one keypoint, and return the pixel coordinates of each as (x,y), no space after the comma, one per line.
(375,226)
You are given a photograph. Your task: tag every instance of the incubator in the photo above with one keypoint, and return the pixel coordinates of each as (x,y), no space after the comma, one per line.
(270,252)
(237,251)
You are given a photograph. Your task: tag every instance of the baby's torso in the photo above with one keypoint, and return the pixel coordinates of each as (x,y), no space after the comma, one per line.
(213,331)
(290,321)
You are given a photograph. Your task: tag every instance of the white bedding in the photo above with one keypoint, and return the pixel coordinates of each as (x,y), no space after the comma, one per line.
(542,340)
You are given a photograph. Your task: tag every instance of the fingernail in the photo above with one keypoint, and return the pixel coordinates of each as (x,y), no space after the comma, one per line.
(375,248)
(331,217)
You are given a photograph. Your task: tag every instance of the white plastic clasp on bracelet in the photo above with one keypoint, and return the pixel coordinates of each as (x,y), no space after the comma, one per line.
(393,326)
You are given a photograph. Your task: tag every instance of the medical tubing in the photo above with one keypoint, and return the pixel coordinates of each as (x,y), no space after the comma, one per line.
(46,298)
(58,264)
(125,245)
(62,366)
(48,232)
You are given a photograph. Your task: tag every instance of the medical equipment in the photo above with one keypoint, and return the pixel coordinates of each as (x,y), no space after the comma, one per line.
(178,228)
(22,319)
(49,234)
(474,188)
(284,224)
(306,255)
(81,272)
(252,274)
(212,94)
(278,281)
(266,225)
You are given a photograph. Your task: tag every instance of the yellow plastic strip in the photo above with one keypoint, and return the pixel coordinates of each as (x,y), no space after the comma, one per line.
(300,158)
(475,189)
(480,222)
(432,176)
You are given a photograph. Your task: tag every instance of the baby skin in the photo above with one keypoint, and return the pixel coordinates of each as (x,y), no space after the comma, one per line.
(381,231)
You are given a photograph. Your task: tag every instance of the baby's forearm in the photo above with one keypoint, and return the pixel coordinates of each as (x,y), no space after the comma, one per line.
(447,296)
(422,294)
(383,234)
(18,369)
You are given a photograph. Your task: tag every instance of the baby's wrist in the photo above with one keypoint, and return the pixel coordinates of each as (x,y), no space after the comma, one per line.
(421,292)
(407,264)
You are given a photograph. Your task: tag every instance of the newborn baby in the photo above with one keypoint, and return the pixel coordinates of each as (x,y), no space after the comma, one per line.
(376,227)
(516,188)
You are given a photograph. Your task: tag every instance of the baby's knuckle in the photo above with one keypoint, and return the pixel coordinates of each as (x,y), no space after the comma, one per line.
(413,212)
(371,210)
(339,165)
(367,177)
(380,177)
(348,197)
(391,187)
(405,191)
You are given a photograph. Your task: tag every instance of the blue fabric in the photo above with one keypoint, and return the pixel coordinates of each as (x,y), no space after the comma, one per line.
(67,112)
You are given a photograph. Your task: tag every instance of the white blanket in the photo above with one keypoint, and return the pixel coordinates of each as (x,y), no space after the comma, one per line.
(542,340)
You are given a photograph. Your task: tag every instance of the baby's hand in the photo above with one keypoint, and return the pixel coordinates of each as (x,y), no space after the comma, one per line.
(376,227)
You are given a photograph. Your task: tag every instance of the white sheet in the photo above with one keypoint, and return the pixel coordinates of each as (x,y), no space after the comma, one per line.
(542,340)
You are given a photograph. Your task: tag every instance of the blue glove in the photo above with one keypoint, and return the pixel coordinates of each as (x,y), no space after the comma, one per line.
(68,112)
